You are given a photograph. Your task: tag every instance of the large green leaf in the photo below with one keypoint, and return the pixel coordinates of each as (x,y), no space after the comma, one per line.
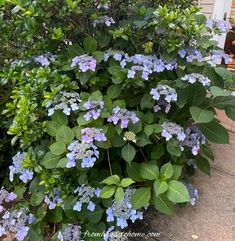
(52,127)
(166,170)
(217,91)
(215,132)
(203,165)
(50,160)
(114,91)
(65,134)
(177,192)
(60,118)
(90,45)
(141,197)
(58,148)
(163,205)
(224,73)
(149,171)
(37,198)
(230,112)
(114,179)
(128,152)
(160,187)
(201,116)
(107,191)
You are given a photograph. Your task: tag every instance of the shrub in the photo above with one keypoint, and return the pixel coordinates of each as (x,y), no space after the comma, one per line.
(111,107)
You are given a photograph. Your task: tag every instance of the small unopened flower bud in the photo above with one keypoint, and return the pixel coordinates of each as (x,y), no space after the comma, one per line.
(129,136)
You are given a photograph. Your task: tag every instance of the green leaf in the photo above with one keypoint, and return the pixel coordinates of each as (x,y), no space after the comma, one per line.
(62,163)
(37,198)
(160,187)
(118,74)
(173,148)
(33,235)
(203,165)
(224,73)
(114,91)
(128,152)
(133,171)
(126,182)
(201,116)
(163,205)
(107,191)
(114,179)
(230,112)
(52,127)
(215,132)
(55,215)
(149,171)
(75,50)
(50,160)
(166,170)
(217,91)
(60,118)
(148,130)
(136,128)
(96,215)
(177,170)
(177,192)
(65,134)
(58,148)
(141,197)
(90,45)
(119,194)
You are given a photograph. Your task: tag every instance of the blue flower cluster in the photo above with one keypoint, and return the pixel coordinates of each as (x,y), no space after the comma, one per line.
(64,101)
(45,59)
(85,194)
(146,64)
(123,211)
(164,94)
(6,197)
(193,193)
(194,139)
(103,4)
(170,129)
(17,168)
(85,63)
(70,233)
(223,26)
(195,77)
(89,135)
(16,222)
(112,235)
(217,56)
(123,116)
(86,152)
(94,108)
(191,54)
(108,21)
(54,199)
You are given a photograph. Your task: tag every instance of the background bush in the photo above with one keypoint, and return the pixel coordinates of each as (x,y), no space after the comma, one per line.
(107,107)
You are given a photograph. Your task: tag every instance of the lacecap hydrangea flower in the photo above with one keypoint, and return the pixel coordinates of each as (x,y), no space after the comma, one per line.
(216,56)
(195,77)
(145,64)
(123,116)
(171,129)
(86,152)
(54,199)
(16,222)
(223,26)
(70,233)
(45,59)
(108,21)
(112,235)
(65,101)
(123,211)
(164,94)
(6,197)
(86,194)
(94,109)
(17,168)
(85,63)
(89,135)
(103,4)
(194,139)
(193,193)
(191,54)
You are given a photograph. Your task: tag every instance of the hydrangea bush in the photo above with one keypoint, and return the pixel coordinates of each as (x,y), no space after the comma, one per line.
(110,108)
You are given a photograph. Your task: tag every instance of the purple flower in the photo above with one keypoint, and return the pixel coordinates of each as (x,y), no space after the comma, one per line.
(89,135)
(123,116)
(195,77)
(171,129)
(85,63)
(94,108)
